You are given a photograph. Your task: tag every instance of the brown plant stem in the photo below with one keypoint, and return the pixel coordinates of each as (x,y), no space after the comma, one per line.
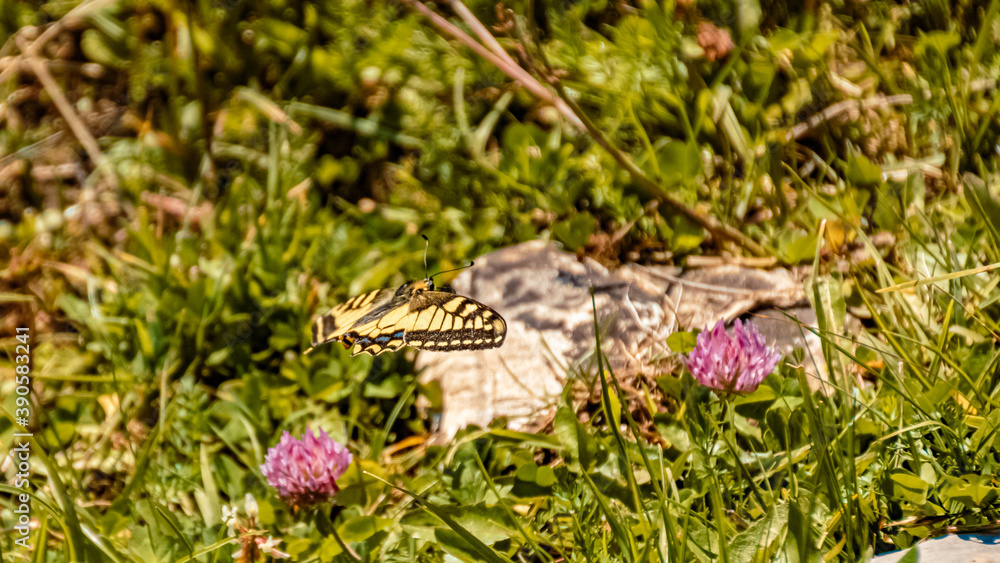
(708,222)
(80,131)
(484,34)
(511,68)
(839,108)
(572,111)
(73,17)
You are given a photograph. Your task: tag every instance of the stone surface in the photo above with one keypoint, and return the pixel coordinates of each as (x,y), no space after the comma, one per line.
(725,292)
(544,295)
(784,334)
(961,548)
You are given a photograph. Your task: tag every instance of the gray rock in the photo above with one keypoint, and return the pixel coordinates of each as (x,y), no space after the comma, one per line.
(544,295)
(706,295)
(962,548)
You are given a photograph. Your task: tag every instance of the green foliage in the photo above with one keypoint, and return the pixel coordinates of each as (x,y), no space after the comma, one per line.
(269,158)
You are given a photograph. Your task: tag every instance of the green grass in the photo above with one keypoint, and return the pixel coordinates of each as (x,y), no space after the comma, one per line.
(257,162)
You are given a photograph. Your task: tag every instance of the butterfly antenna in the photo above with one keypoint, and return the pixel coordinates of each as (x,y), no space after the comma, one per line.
(471,264)
(427,244)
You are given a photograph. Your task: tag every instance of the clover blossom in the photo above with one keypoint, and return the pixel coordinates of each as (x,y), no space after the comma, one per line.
(737,363)
(305,471)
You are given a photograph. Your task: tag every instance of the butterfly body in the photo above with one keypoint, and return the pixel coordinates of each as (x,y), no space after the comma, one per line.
(414,314)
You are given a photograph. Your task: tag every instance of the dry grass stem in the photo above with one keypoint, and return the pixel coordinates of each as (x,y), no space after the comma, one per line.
(505,64)
(76,125)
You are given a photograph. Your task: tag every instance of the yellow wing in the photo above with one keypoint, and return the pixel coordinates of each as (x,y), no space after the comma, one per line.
(387,333)
(387,320)
(333,325)
(441,321)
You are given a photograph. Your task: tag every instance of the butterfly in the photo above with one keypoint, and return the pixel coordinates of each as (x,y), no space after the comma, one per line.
(415,314)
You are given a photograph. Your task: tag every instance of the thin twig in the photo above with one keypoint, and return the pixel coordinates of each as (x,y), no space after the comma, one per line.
(26,152)
(936,279)
(708,222)
(177,207)
(72,17)
(484,34)
(838,108)
(343,545)
(568,108)
(76,125)
(512,70)
(90,70)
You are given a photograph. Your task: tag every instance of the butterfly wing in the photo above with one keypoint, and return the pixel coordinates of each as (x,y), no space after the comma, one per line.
(389,319)
(344,317)
(443,321)
(385,332)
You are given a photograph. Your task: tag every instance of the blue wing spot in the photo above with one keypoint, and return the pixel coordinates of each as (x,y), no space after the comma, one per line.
(385,338)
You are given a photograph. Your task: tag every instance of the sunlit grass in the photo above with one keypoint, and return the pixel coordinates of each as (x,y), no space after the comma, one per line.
(271,160)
